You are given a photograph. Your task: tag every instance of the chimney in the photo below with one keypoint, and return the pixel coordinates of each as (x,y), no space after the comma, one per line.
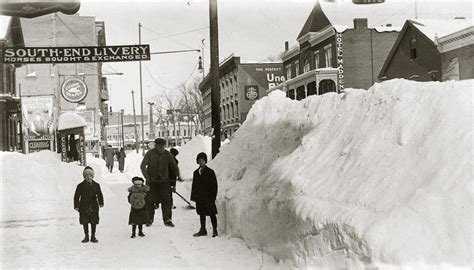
(287,46)
(360,23)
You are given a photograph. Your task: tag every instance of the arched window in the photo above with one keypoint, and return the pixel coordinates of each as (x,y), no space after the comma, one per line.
(326,86)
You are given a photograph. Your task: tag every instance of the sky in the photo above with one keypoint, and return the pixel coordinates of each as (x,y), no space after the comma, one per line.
(389,188)
(253,30)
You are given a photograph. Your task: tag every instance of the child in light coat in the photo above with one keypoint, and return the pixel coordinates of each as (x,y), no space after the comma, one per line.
(138,212)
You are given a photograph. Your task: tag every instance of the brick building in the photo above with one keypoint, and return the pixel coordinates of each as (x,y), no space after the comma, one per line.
(432,50)
(241,84)
(11,35)
(45,80)
(335,52)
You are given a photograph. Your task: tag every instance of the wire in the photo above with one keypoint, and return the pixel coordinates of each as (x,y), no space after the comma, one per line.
(169,88)
(177,41)
(177,34)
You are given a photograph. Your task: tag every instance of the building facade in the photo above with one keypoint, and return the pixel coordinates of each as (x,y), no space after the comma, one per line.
(241,85)
(11,35)
(47,81)
(432,50)
(331,56)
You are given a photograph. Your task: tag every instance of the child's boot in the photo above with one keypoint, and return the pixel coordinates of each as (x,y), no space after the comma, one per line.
(93,239)
(133,235)
(202,232)
(86,239)
(214,232)
(140,233)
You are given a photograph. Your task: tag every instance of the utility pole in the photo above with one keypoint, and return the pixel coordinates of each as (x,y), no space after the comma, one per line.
(174,127)
(135,123)
(141,90)
(123,138)
(215,91)
(152,127)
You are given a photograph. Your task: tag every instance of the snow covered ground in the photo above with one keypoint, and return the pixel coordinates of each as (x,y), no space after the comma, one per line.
(368,178)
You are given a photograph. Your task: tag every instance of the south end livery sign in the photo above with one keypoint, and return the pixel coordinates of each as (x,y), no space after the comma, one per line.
(74,90)
(40,55)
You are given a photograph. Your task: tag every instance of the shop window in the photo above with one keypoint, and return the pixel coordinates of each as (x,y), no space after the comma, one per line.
(311,88)
(300,94)
(291,93)
(306,67)
(326,86)
(413,49)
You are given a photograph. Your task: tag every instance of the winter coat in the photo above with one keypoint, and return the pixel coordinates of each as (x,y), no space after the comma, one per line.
(87,198)
(156,166)
(173,176)
(121,159)
(204,191)
(137,216)
(109,157)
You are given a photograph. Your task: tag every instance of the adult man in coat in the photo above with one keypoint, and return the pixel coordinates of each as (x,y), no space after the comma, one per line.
(109,158)
(156,167)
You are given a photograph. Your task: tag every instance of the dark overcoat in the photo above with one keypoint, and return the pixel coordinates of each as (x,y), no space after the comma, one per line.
(87,198)
(138,216)
(204,191)
(121,159)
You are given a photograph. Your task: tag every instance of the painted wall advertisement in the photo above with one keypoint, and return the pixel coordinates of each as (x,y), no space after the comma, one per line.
(266,75)
(340,61)
(38,123)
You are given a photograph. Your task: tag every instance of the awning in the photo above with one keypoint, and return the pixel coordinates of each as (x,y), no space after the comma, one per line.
(70,120)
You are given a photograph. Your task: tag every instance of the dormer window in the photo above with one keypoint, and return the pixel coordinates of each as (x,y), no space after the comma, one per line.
(413,49)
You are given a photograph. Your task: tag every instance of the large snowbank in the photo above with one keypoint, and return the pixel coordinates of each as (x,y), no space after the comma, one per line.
(373,177)
(40,186)
(188,152)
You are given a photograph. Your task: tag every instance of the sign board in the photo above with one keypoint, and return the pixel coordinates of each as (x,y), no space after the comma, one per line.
(41,55)
(74,90)
(251,92)
(340,61)
(38,122)
(266,75)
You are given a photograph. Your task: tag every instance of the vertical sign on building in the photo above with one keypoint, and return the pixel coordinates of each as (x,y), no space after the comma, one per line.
(38,123)
(340,62)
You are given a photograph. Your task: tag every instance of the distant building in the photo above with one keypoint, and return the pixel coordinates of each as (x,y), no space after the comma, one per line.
(241,84)
(432,50)
(11,35)
(335,52)
(42,83)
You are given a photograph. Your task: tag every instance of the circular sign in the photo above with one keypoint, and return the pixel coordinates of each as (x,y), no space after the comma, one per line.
(74,90)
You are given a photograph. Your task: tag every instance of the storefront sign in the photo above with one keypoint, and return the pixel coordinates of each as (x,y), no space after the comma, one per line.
(82,150)
(38,122)
(39,145)
(74,90)
(251,92)
(340,61)
(40,55)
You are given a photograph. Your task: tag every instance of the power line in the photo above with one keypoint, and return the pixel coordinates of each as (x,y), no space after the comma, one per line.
(169,88)
(177,41)
(177,34)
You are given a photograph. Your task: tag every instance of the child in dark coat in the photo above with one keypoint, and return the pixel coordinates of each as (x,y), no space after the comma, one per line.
(87,200)
(204,193)
(138,213)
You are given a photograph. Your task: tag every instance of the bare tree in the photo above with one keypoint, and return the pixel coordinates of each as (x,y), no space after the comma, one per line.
(192,103)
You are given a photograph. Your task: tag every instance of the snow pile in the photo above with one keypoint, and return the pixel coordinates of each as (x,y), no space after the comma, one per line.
(373,177)
(39,186)
(188,152)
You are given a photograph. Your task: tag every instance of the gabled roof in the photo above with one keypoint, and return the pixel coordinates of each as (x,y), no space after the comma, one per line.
(430,30)
(316,21)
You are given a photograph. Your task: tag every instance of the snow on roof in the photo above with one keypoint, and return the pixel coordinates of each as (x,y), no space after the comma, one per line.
(4,23)
(70,120)
(433,28)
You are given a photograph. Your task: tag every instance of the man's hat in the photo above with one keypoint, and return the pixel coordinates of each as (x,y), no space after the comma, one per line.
(160,141)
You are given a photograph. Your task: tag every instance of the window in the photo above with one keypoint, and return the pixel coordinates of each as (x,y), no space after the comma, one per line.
(80,68)
(328,55)
(30,71)
(316,59)
(297,68)
(306,66)
(288,72)
(413,49)
(51,70)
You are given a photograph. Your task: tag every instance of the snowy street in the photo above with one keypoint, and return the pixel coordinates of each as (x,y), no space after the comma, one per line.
(55,242)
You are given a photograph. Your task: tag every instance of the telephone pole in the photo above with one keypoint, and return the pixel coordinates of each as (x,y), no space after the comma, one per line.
(141,90)
(135,123)
(152,127)
(215,91)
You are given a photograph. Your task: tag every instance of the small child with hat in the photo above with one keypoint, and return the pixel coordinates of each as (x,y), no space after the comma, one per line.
(138,213)
(87,200)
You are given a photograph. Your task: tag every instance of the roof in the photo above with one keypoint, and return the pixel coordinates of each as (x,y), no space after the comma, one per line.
(316,21)
(437,28)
